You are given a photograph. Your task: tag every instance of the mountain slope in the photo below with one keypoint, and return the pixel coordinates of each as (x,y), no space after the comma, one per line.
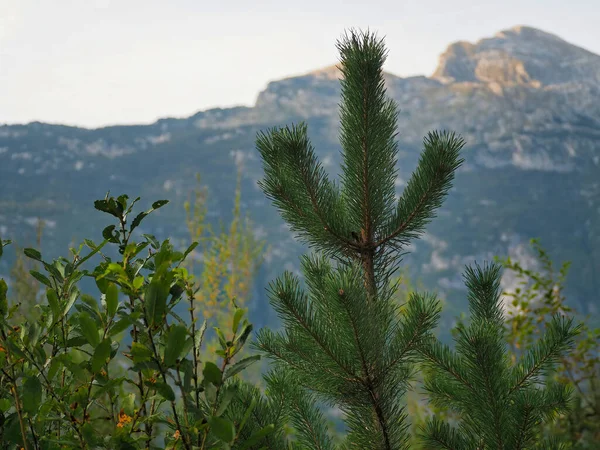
(526,101)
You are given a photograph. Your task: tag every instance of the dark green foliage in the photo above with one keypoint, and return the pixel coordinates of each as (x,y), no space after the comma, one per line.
(499,404)
(345,342)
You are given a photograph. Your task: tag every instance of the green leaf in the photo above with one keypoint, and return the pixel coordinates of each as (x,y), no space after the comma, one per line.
(164,390)
(240,365)
(222,428)
(157,204)
(153,241)
(41,278)
(247,414)
(89,435)
(4,405)
(138,282)
(53,302)
(241,339)
(189,250)
(101,354)
(175,342)
(140,353)
(110,234)
(33,254)
(89,329)
(210,392)
(33,333)
(212,373)
(221,336)
(108,206)
(225,399)
(32,394)
(69,303)
(112,299)
(199,336)
(138,219)
(237,316)
(91,302)
(155,301)
(3,301)
(119,326)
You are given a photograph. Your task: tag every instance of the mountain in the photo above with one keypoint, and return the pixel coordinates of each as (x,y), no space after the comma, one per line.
(526,101)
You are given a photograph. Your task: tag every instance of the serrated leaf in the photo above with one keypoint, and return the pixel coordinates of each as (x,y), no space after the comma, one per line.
(138,219)
(175,342)
(222,428)
(101,353)
(112,299)
(110,235)
(159,203)
(108,206)
(240,365)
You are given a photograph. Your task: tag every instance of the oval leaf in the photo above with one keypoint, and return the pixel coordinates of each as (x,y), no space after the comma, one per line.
(155,301)
(32,395)
(101,354)
(212,373)
(222,428)
(175,342)
(112,299)
(165,390)
(89,329)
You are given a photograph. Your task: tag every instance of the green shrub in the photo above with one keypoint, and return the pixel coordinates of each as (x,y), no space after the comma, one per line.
(58,382)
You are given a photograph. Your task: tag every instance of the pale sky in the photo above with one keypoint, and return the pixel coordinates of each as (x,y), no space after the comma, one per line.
(102,62)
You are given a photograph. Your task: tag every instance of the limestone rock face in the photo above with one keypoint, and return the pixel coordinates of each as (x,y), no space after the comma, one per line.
(521,55)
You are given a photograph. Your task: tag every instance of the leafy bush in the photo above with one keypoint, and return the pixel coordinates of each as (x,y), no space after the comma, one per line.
(56,388)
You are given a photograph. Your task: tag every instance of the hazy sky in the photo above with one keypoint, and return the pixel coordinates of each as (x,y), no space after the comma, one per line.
(99,62)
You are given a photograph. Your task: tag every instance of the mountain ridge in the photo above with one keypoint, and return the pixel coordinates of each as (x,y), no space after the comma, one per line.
(532,162)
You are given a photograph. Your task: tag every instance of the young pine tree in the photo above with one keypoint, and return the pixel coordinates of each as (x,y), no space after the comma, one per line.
(347,343)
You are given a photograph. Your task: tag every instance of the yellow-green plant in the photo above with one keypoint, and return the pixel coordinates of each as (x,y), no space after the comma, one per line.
(229,264)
